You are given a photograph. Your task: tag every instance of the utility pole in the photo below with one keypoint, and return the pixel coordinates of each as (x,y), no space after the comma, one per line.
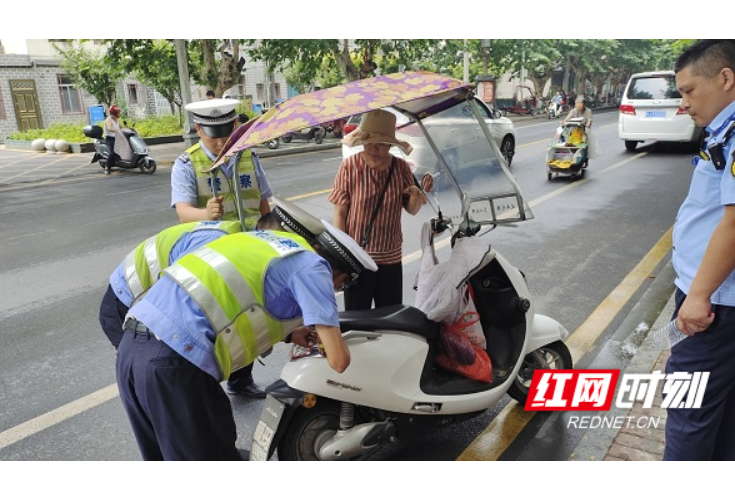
(190,136)
(484,46)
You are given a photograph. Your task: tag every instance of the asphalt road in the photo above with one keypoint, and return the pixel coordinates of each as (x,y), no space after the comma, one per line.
(62,239)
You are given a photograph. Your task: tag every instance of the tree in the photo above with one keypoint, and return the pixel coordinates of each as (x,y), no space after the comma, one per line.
(219,63)
(356,59)
(91,72)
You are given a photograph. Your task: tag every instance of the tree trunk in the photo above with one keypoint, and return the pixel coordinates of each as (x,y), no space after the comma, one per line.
(342,57)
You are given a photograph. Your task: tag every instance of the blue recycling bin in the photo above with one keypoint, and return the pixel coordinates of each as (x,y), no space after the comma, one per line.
(96,114)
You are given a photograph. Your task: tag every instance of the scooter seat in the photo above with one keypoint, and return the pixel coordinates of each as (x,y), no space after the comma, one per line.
(402,318)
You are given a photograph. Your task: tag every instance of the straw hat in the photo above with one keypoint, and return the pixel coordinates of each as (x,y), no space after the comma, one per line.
(377,127)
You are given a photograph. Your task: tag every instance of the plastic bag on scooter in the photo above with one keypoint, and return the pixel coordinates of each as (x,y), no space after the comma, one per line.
(459,355)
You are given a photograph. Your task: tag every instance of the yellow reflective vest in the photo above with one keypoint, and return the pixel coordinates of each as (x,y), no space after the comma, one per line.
(144,264)
(247,184)
(226,280)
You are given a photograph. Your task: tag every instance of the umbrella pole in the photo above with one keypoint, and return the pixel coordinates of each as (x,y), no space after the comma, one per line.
(236,189)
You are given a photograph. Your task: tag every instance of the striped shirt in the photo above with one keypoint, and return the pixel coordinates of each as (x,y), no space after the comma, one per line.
(359,187)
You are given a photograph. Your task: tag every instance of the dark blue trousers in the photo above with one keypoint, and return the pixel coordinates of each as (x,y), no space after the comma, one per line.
(707,433)
(385,286)
(177,411)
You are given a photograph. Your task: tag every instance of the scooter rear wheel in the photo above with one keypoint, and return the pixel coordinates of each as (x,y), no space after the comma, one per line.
(554,356)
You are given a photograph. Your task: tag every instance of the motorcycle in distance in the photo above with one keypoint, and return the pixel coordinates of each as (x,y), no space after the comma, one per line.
(307,134)
(140,156)
(393,390)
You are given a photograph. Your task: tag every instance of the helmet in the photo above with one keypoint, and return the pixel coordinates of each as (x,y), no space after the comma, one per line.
(114,110)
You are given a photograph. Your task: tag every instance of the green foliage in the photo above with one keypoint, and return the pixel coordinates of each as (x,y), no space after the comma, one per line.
(91,72)
(159,126)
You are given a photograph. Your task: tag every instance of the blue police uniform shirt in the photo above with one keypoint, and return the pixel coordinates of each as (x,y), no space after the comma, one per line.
(183,178)
(702,211)
(299,284)
(187,243)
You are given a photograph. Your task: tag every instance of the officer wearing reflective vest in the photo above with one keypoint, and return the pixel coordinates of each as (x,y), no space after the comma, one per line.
(193,190)
(142,267)
(193,187)
(214,310)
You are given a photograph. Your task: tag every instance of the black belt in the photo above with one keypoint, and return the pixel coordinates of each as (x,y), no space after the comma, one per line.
(136,326)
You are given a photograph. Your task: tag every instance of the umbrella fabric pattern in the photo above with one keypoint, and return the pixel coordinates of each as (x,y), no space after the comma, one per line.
(342,101)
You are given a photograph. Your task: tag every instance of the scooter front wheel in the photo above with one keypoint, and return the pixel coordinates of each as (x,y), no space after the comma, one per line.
(148,166)
(554,356)
(308,430)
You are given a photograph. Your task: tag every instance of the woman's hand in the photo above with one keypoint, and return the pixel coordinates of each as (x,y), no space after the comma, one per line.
(416,199)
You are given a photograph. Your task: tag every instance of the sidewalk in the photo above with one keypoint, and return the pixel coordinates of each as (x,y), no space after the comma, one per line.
(632,443)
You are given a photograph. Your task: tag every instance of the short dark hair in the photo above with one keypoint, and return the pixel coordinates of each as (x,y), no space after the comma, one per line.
(210,93)
(269,222)
(707,57)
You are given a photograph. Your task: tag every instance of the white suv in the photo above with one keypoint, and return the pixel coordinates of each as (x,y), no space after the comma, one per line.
(650,111)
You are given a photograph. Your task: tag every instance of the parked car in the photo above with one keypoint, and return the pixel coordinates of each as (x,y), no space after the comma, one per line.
(650,110)
(500,127)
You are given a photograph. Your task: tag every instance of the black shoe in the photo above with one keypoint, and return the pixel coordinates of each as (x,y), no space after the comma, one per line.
(252,390)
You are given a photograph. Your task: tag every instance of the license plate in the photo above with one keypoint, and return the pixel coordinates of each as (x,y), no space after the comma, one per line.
(266,428)
(655,114)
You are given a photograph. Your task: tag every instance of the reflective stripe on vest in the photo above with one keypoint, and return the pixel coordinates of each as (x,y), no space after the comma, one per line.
(248,185)
(143,265)
(225,279)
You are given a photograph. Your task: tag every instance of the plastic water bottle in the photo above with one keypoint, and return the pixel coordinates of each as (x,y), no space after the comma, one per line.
(668,335)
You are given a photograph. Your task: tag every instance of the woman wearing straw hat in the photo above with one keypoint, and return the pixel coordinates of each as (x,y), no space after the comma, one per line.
(369,192)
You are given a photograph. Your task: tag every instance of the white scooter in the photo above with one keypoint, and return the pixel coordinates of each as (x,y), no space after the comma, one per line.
(392,389)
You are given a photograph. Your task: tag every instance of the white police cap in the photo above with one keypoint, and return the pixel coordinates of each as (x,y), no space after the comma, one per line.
(215,116)
(342,246)
(296,220)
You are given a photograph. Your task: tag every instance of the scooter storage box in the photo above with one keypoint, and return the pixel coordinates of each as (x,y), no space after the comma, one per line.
(93,131)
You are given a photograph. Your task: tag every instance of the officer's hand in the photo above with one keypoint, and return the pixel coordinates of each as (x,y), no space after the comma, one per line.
(695,315)
(304,336)
(215,208)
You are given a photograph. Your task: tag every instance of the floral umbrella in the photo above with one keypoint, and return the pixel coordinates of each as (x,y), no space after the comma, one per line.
(342,101)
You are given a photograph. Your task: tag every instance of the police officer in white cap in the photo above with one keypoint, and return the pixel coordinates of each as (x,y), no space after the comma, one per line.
(187,333)
(193,197)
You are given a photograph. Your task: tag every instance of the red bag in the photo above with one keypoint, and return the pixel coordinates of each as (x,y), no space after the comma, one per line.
(459,355)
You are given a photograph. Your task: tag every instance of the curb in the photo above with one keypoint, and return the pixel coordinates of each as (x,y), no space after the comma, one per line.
(652,311)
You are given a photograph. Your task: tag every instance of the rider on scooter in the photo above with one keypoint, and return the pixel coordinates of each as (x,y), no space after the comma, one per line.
(112,126)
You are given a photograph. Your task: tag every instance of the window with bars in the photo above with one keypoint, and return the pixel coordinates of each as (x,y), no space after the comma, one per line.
(71,101)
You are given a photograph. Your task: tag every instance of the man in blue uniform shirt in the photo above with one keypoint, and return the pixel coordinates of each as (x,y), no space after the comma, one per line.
(704,259)
(141,267)
(214,310)
(192,193)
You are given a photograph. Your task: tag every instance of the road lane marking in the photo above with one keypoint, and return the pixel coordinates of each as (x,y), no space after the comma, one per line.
(505,427)
(43,422)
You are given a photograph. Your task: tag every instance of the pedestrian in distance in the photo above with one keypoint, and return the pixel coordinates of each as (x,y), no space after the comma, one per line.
(704,259)
(112,127)
(210,94)
(193,190)
(215,310)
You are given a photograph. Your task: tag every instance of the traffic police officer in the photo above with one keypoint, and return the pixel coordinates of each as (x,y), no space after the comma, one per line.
(192,190)
(214,310)
(191,184)
(704,259)
(142,267)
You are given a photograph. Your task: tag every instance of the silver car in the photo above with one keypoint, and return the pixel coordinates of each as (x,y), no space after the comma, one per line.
(650,111)
(500,127)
